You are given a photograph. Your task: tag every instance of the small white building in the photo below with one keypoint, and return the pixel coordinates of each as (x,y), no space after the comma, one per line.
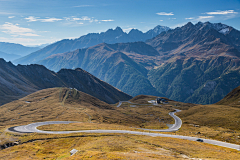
(73,151)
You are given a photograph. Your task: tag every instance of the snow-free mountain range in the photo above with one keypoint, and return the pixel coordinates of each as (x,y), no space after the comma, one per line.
(11,51)
(195,63)
(19,81)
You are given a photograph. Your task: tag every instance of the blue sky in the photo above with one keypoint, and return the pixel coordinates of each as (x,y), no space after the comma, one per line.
(32,22)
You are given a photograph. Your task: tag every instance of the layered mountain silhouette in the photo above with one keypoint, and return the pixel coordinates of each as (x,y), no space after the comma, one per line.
(12,51)
(18,81)
(111,36)
(202,40)
(9,57)
(110,63)
(193,63)
(196,81)
(200,62)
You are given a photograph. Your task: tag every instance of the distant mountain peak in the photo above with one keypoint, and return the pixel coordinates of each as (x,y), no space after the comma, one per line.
(189,24)
(157,30)
(2,60)
(158,27)
(221,28)
(111,36)
(135,32)
(118,29)
(14,50)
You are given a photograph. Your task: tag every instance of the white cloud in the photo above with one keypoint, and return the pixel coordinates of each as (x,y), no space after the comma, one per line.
(31,19)
(16,40)
(50,20)
(47,19)
(11,16)
(107,20)
(165,14)
(84,6)
(76,19)
(15,30)
(222,12)
(189,18)
(204,18)
(161,20)
(83,19)
(223,15)
(29,41)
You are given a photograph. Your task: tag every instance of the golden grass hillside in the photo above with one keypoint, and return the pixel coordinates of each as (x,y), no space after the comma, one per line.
(232,98)
(220,122)
(69,104)
(113,146)
(143,99)
(213,115)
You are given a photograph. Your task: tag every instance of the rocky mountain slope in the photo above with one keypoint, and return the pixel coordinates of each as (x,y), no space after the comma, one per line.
(110,63)
(193,63)
(196,81)
(110,36)
(18,81)
(201,40)
(201,62)
(232,98)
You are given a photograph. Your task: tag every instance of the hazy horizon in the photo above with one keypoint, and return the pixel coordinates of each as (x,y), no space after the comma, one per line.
(40,22)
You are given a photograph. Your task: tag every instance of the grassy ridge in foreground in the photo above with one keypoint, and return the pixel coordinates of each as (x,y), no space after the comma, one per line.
(69,104)
(220,122)
(112,146)
(57,104)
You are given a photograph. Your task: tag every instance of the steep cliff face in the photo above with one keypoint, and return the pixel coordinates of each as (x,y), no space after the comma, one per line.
(18,81)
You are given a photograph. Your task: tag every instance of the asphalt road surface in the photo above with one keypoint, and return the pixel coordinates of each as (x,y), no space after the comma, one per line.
(176,126)
(120,103)
(31,128)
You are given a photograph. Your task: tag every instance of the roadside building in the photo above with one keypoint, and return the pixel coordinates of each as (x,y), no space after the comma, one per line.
(162,101)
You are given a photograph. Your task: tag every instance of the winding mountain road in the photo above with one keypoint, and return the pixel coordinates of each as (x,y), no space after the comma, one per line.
(31,128)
